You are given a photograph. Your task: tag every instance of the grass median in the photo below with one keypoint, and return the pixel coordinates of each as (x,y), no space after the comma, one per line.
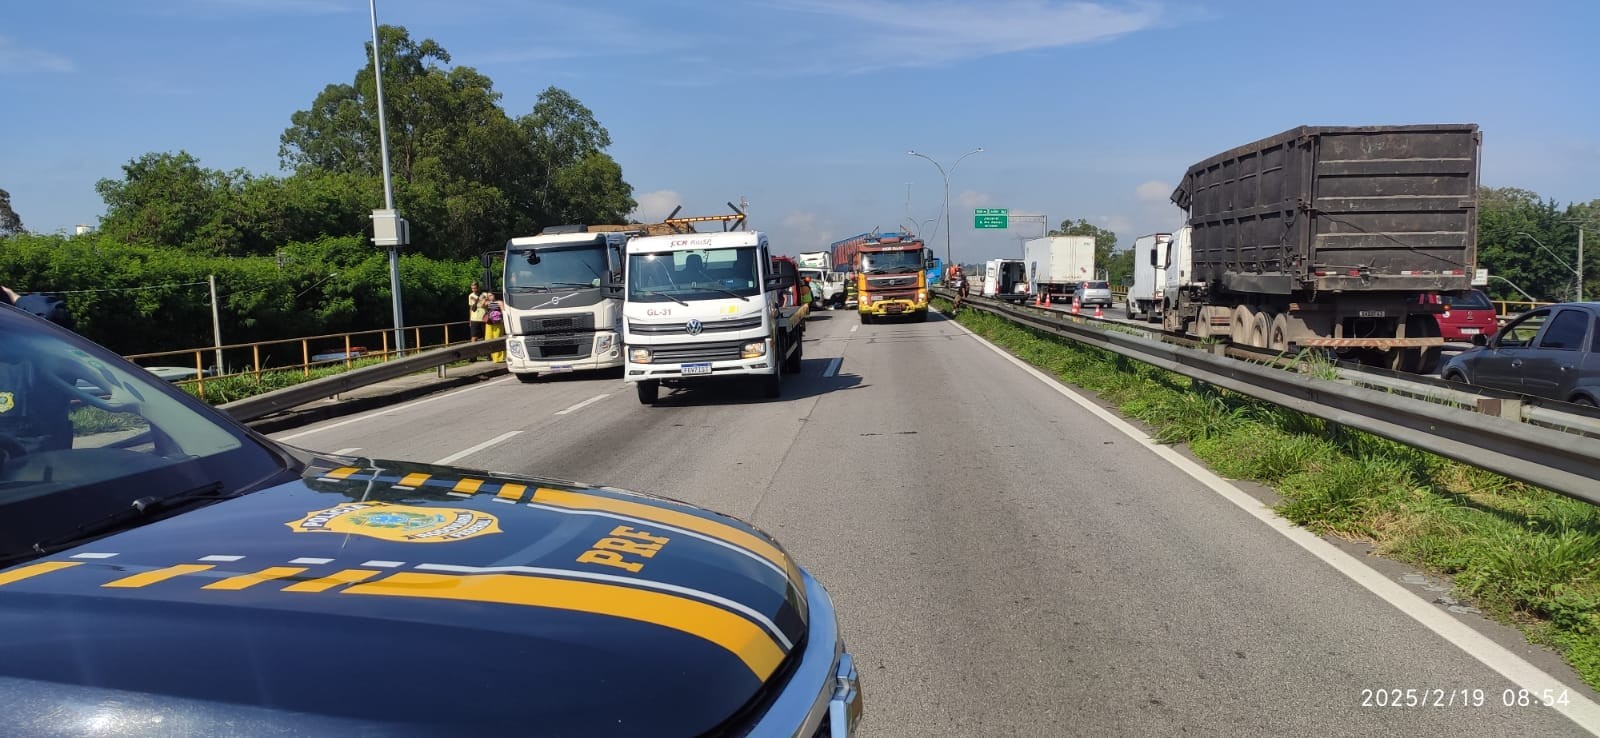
(1521,554)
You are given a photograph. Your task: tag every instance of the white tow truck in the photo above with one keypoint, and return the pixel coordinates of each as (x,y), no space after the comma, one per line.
(705,306)
(559,315)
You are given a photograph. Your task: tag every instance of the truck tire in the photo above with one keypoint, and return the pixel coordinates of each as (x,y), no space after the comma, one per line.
(1278,333)
(649,391)
(772,384)
(528,378)
(791,363)
(922,316)
(1259,328)
(866,318)
(1244,319)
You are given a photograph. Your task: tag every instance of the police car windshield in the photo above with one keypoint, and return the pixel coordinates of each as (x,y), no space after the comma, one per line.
(84,433)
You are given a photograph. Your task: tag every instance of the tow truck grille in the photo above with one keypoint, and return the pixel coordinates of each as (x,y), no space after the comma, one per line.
(717,351)
(663,329)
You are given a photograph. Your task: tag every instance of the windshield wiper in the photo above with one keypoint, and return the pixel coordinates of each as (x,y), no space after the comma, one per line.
(573,284)
(135,514)
(662,294)
(727,292)
(521,288)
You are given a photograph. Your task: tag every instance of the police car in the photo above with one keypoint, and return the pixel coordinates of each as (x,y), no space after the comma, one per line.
(164,570)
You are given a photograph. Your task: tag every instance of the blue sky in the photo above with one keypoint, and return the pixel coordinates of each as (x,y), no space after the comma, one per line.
(806,108)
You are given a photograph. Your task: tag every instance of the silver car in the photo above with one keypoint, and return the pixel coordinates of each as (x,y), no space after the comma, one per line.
(1552,352)
(1094,293)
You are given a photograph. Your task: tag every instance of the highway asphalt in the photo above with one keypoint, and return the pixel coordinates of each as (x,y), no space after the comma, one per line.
(1006,561)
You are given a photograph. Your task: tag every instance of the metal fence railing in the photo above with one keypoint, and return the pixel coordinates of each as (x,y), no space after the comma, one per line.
(1561,462)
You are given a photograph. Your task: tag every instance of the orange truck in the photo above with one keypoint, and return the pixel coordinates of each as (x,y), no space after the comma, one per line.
(890,272)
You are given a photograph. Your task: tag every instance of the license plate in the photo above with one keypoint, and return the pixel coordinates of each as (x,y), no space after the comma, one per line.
(1373,314)
(895,308)
(703,367)
(1469,331)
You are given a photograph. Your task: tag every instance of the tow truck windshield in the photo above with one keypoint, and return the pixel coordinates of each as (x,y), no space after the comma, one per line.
(699,274)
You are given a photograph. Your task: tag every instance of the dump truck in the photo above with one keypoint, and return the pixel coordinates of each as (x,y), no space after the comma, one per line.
(1323,237)
(891,274)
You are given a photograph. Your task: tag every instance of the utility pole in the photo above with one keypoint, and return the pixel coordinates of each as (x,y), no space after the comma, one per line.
(216,323)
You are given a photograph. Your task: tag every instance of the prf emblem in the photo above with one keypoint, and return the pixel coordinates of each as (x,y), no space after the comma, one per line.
(399,523)
(7,401)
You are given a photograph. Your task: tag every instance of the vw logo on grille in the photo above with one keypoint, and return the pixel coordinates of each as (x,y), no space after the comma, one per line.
(693,327)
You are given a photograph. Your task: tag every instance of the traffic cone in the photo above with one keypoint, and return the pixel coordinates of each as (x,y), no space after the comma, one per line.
(1099,313)
(1075,306)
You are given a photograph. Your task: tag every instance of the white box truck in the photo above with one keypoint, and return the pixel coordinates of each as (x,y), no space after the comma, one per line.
(1149,277)
(707,306)
(1056,264)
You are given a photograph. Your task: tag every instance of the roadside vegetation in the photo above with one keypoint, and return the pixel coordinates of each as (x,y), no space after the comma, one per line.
(1523,555)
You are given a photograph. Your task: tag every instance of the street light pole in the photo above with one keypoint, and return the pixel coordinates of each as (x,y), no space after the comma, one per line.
(388,191)
(1562,260)
(979,150)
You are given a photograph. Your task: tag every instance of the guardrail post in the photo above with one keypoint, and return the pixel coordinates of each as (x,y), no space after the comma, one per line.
(347,351)
(255,360)
(385,339)
(1501,408)
(199,375)
(305,358)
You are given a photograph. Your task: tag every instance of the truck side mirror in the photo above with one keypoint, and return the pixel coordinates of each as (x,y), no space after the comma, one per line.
(779,281)
(613,288)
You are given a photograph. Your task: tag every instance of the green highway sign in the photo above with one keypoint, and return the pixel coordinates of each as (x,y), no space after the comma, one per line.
(989,217)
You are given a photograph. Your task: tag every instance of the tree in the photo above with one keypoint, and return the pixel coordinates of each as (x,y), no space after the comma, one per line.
(1511,224)
(1104,241)
(167,199)
(10,222)
(456,156)
(576,181)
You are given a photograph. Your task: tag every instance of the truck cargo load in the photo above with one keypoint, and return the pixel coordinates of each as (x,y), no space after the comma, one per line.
(1324,237)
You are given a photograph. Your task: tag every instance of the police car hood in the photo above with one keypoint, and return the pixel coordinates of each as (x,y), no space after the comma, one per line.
(404,595)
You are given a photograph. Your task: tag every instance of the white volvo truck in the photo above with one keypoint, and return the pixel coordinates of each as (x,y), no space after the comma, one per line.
(706,306)
(560,315)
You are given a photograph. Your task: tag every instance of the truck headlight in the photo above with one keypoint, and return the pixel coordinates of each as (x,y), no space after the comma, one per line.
(639,355)
(753,350)
(514,347)
(922,295)
(602,343)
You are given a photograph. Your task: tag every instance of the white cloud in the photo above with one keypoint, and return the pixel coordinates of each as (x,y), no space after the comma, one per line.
(1118,224)
(1153,191)
(877,34)
(654,206)
(973,199)
(19,59)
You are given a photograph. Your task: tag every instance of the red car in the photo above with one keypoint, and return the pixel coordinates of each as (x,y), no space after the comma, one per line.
(1466,316)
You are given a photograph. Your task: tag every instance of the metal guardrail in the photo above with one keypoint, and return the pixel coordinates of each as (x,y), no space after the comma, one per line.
(1561,462)
(262,405)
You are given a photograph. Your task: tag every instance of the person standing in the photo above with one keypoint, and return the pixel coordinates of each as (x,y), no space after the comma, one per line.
(493,327)
(475,312)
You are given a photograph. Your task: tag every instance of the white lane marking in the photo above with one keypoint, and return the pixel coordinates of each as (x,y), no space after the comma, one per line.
(760,619)
(220,558)
(381,564)
(1580,710)
(833,366)
(93,555)
(346,451)
(459,494)
(310,560)
(477,448)
(392,409)
(853,328)
(583,404)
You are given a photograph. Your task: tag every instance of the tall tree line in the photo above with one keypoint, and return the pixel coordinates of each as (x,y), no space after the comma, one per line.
(291,250)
